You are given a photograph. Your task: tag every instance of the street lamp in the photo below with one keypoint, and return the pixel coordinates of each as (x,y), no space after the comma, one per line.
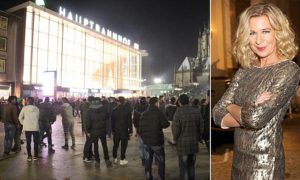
(40,2)
(157,80)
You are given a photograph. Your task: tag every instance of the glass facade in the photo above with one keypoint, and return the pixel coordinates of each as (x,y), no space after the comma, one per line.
(82,58)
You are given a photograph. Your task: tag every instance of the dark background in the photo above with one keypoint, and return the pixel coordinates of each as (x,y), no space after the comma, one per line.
(167,29)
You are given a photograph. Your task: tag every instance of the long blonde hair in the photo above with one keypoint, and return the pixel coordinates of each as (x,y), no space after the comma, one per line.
(284,34)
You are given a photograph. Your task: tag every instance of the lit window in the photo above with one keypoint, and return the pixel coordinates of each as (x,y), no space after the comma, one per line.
(69,33)
(29,9)
(28,37)
(34,72)
(44,14)
(52,61)
(58,78)
(36,22)
(43,41)
(42,58)
(35,38)
(26,74)
(53,43)
(79,36)
(53,28)
(28,20)
(44,25)
(34,57)
(27,55)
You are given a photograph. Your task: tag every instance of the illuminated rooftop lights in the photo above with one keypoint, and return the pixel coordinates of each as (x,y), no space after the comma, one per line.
(157,80)
(40,2)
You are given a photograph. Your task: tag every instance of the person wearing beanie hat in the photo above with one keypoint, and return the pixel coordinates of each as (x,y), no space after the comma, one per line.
(152,123)
(96,129)
(46,119)
(121,122)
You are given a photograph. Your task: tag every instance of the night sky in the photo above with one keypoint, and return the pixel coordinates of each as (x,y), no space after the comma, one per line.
(167,29)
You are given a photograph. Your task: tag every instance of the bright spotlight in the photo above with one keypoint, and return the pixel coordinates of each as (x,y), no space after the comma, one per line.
(157,80)
(40,2)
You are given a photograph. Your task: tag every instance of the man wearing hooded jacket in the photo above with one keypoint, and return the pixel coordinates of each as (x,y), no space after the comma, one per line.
(96,129)
(121,122)
(152,123)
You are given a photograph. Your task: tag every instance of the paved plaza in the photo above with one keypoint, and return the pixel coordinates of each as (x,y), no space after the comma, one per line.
(69,164)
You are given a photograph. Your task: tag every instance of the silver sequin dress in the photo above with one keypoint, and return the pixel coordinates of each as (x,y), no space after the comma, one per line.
(258,148)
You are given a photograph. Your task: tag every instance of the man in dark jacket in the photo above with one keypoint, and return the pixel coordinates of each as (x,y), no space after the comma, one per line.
(84,113)
(121,123)
(96,128)
(84,107)
(162,103)
(152,123)
(187,127)
(10,120)
(170,111)
(140,107)
(112,104)
(46,119)
(205,109)
(19,128)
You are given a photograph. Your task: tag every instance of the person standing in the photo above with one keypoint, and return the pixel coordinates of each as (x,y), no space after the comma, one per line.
(162,103)
(10,120)
(151,125)
(187,127)
(67,122)
(84,113)
(112,104)
(205,109)
(46,119)
(96,129)
(121,121)
(19,128)
(139,109)
(170,111)
(260,92)
(29,118)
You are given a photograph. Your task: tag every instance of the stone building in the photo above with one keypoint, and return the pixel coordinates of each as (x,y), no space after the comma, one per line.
(49,53)
(195,70)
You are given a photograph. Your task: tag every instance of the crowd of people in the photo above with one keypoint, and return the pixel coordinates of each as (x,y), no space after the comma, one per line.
(102,118)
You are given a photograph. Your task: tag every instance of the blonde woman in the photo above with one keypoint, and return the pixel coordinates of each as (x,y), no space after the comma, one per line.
(260,92)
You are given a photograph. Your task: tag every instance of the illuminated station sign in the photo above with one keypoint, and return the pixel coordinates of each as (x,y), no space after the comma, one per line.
(96,27)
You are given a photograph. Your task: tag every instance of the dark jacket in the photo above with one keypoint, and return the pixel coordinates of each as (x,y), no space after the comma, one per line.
(187,127)
(170,111)
(96,120)
(47,115)
(10,114)
(111,106)
(162,106)
(121,120)
(84,111)
(151,124)
(136,120)
(139,109)
(205,114)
